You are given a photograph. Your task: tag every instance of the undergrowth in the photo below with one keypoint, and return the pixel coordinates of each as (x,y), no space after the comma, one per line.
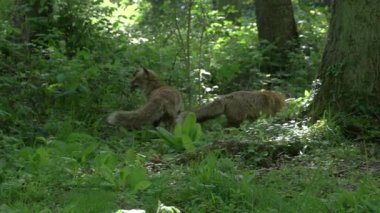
(272,165)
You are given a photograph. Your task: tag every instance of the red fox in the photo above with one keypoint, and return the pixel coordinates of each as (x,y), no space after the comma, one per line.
(163,103)
(240,105)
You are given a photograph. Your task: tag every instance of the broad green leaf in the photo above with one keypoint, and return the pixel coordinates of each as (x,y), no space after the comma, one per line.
(198,133)
(187,143)
(168,137)
(123,176)
(178,130)
(107,159)
(142,185)
(189,123)
(136,175)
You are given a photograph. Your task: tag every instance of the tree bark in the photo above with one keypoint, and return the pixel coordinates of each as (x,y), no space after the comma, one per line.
(349,75)
(276,24)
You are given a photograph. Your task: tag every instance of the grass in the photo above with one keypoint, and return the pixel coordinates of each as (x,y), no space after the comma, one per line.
(279,168)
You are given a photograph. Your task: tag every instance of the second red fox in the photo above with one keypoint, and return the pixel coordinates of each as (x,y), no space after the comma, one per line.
(240,105)
(163,103)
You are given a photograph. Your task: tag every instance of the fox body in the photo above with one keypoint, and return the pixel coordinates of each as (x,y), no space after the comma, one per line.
(241,105)
(163,103)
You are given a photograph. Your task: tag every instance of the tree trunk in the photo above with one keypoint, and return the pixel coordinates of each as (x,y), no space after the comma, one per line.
(349,74)
(33,18)
(276,24)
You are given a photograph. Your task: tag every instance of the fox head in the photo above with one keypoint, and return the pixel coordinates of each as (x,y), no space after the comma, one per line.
(139,78)
(146,80)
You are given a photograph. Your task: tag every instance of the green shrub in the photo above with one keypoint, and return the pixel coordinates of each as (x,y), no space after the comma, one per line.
(185,134)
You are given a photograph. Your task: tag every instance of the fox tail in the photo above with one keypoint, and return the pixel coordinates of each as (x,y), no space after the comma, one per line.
(147,115)
(210,110)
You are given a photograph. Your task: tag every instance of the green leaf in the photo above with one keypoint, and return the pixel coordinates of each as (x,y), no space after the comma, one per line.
(106,173)
(26,153)
(307,93)
(198,133)
(189,123)
(130,156)
(178,130)
(188,144)
(107,159)
(88,150)
(4,114)
(169,137)
(142,185)
(137,175)
(123,176)
(41,157)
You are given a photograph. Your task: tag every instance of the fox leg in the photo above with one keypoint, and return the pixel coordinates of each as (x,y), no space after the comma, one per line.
(168,121)
(156,123)
(234,120)
(233,123)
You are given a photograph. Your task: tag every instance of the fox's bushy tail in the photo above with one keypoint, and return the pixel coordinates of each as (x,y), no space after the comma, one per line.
(210,110)
(147,115)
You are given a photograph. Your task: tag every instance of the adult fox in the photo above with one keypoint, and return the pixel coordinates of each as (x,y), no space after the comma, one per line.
(240,105)
(163,103)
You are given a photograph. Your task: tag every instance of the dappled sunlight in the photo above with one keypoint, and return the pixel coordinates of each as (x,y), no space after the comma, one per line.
(123,13)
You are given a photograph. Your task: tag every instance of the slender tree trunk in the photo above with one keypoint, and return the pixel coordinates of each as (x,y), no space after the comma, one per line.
(188,52)
(349,74)
(33,18)
(276,25)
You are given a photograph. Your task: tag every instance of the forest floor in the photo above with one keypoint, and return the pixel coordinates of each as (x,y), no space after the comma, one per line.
(260,167)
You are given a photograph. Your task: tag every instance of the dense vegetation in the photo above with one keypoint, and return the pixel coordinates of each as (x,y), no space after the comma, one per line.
(66,64)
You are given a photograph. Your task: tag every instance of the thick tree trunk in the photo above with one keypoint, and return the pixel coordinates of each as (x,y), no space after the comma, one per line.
(349,74)
(276,24)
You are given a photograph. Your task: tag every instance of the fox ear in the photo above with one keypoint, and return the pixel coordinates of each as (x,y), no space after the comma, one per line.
(146,71)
